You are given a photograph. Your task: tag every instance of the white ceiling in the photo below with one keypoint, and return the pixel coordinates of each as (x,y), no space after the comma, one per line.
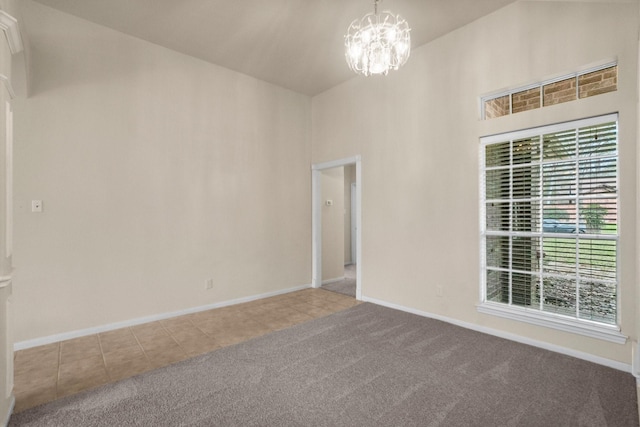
(296,44)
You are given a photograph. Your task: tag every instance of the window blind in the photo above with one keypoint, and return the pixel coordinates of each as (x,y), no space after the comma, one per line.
(550,219)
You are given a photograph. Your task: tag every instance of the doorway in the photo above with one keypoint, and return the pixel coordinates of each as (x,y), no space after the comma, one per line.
(317,207)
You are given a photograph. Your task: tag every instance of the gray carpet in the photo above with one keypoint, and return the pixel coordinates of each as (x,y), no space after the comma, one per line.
(346,286)
(365,366)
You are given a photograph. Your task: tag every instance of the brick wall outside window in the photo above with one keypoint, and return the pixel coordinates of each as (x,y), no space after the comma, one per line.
(497,107)
(559,92)
(598,82)
(525,100)
(555,92)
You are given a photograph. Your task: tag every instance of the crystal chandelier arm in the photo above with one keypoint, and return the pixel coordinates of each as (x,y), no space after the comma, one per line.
(377,43)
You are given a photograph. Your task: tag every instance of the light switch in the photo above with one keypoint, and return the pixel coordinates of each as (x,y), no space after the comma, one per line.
(36,206)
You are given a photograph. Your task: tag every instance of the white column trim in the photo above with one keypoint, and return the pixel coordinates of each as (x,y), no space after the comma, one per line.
(12,405)
(9,25)
(8,226)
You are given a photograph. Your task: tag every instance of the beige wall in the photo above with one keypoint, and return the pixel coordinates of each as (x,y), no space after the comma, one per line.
(418,130)
(157,171)
(332,224)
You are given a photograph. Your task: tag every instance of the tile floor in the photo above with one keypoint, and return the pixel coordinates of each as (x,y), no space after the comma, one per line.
(52,371)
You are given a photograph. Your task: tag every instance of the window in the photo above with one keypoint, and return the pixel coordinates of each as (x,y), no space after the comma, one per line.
(591,82)
(550,224)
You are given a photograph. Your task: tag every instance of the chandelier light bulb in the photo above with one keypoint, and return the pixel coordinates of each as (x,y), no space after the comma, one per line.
(391,35)
(377,43)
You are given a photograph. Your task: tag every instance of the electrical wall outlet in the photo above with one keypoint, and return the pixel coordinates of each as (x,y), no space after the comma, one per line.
(36,206)
(208,284)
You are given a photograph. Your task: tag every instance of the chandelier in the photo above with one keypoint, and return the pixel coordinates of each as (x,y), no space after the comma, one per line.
(377,43)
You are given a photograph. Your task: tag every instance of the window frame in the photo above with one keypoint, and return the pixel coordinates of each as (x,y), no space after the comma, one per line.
(590,328)
(540,85)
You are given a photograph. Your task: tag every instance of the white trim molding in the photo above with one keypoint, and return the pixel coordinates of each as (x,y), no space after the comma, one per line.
(7,84)
(336,163)
(9,25)
(509,336)
(140,320)
(541,84)
(12,405)
(316,219)
(334,280)
(8,226)
(503,226)
(596,330)
(5,281)
(635,362)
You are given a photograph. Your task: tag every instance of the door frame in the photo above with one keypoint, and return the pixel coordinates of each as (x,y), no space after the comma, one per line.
(354,222)
(316,219)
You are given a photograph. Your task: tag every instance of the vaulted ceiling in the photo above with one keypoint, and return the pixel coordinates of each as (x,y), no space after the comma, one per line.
(296,44)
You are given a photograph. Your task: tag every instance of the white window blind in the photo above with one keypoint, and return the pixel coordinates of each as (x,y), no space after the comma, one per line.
(550,220)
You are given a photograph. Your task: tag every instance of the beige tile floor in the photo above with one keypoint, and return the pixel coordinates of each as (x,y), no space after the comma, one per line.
(52,371)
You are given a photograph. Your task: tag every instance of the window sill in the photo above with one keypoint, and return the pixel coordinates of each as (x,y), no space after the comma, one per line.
(554,321)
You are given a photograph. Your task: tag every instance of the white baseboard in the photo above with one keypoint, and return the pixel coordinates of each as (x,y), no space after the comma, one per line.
(336,279)
(635,362)
(10,412)
(140,320)
(509,336)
